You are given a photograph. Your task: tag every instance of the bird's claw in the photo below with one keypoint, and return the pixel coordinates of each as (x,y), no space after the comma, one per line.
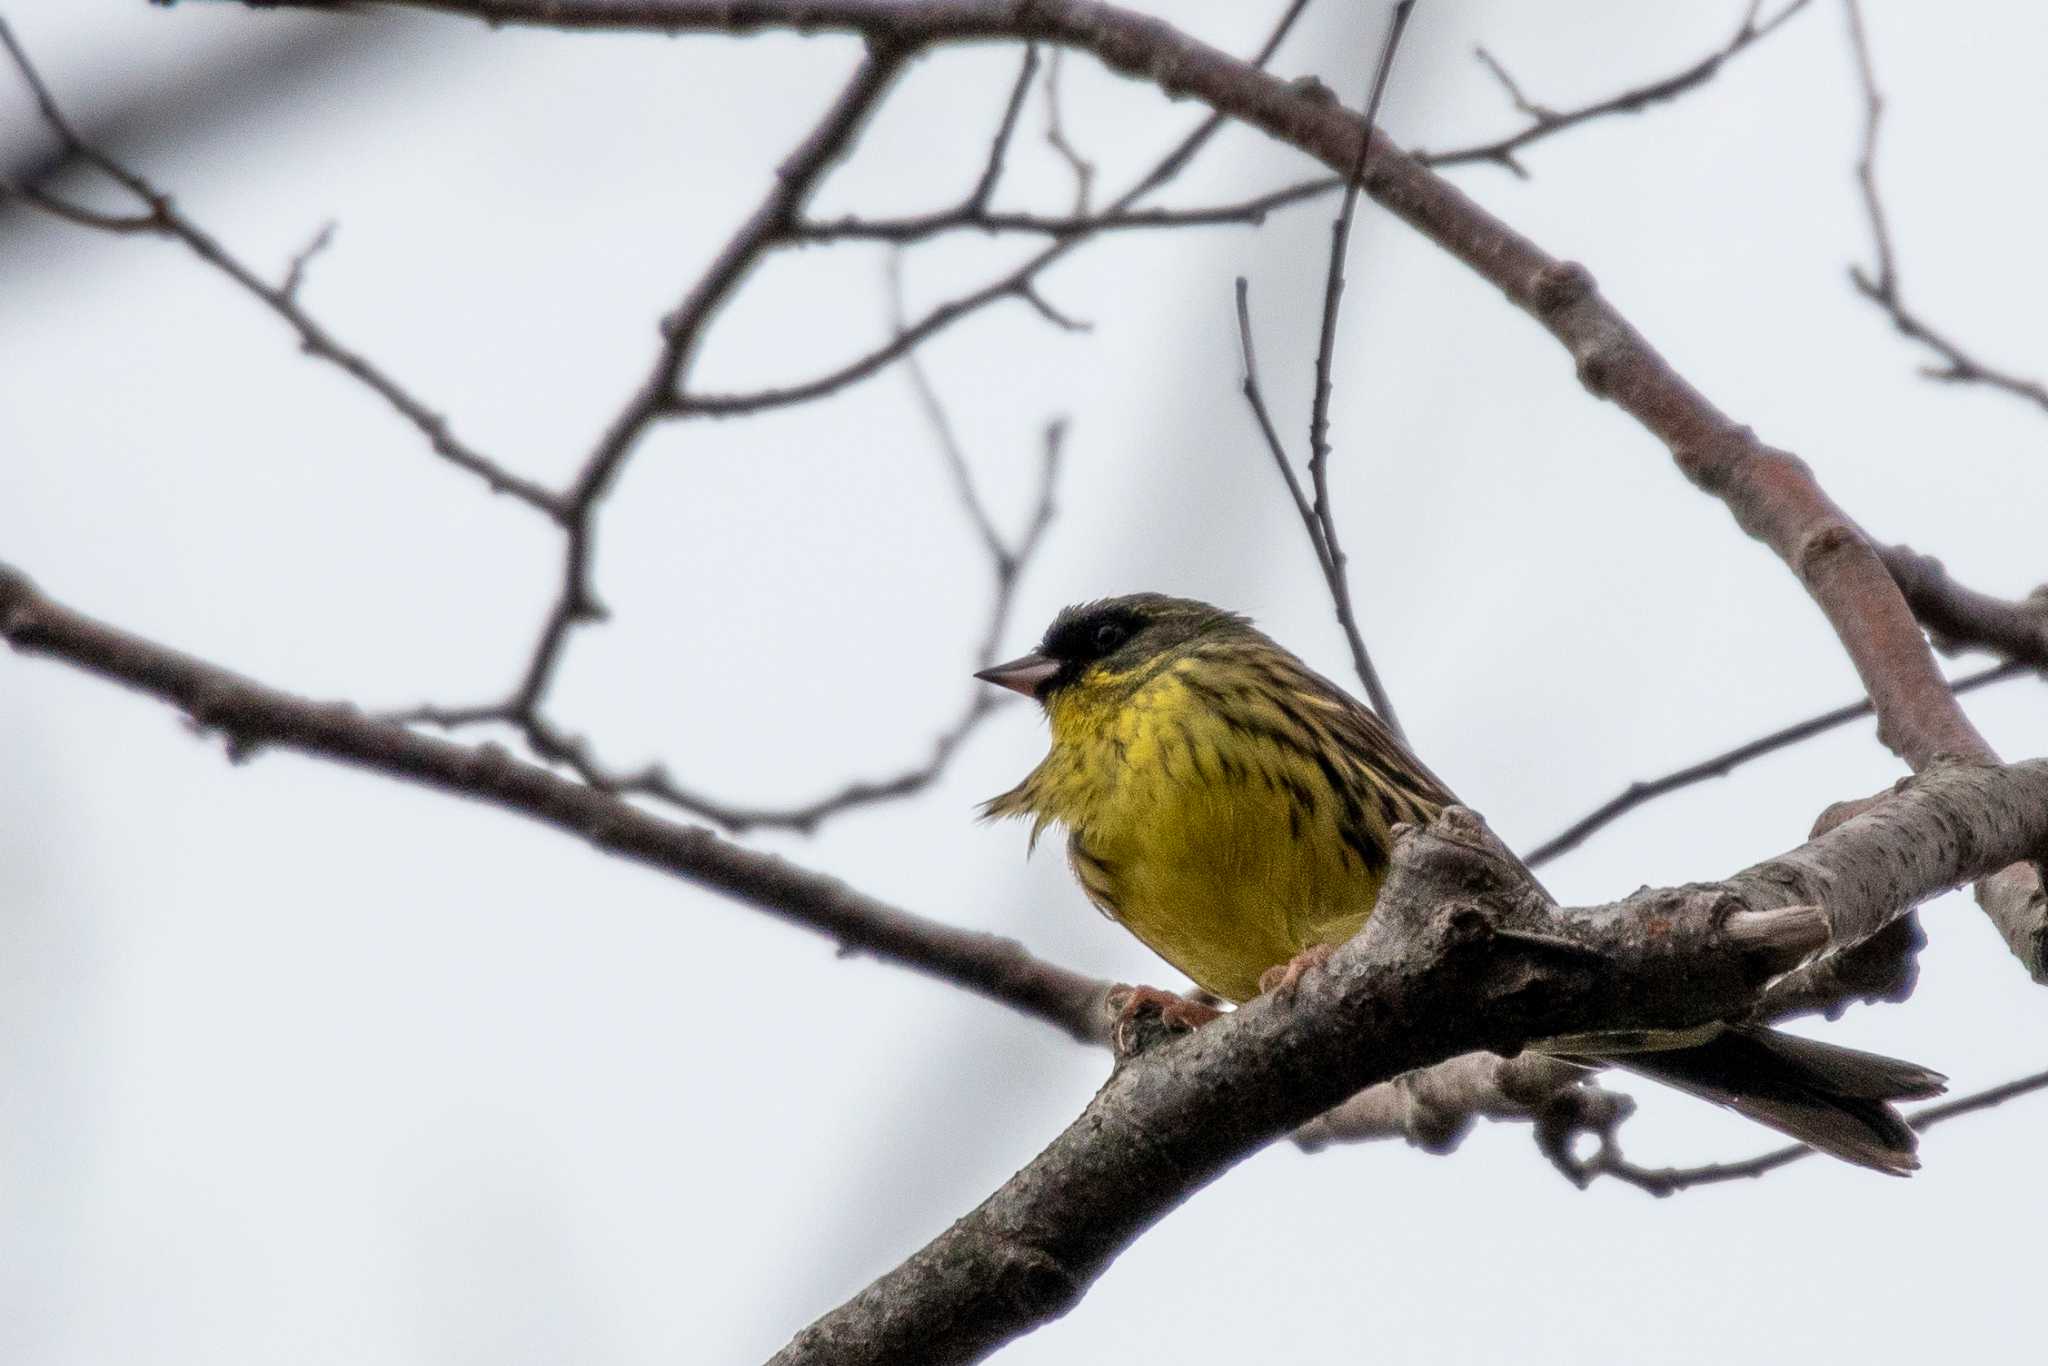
(1282,978)
(1136,1007)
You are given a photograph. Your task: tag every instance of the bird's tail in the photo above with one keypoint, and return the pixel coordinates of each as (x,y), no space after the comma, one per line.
(1835,1099)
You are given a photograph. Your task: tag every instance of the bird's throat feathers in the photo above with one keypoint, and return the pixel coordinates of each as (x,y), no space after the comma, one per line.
(1097,726)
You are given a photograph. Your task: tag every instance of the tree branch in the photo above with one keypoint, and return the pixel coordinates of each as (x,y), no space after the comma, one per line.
(917,227)
(160,218)
(779,222)
(1960,618)
(1607,1158)
(1435,1105)
(1773,496)
(1319,406)
(1161,1128)
(1881,284)
(252,717)
(1459,955)
(1545,122)
(1721,765)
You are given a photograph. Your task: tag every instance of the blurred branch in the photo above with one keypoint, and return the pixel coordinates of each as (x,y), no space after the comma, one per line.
(248,80)
(967,215)
(157,216)
(1881,285)
(682,331)
(252,717)
(1056,137)
(1435,1108)
(999,146)
(1607,1159)
(1546,122)
(1960,618)
(1319,406)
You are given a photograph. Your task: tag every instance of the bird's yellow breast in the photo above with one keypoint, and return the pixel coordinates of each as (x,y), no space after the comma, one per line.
(1212,834)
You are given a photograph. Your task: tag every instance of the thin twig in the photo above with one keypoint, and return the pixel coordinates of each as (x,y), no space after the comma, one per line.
(999,145)
(1607,1158)
(1015,284)
(943,435)
(779,221)
(295,269)
(163,219)
(917,227)
(1546,122)
(1056,137)
(1720,765)
(1319,407)
(1881,284)
(1255,398)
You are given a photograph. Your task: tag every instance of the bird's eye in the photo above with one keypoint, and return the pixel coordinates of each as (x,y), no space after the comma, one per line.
(1108,636)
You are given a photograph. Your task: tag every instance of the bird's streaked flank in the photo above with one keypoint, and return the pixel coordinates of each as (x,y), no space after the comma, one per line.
(1235,810)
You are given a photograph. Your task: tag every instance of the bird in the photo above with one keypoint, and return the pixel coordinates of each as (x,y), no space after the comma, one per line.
(1235,810)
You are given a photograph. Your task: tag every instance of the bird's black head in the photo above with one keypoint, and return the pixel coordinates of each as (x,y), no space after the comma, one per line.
(1109,639)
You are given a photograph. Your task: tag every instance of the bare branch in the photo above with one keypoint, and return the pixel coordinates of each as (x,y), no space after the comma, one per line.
(295,270)
(1319,408)
(252,717)
(1007,563)
(1960,618)
(948,441)
(1056,137)
(1881,285)
(1721,765)
(1434,1108)
(916,228)
(1255,399)
(1545,122)
(161,218)
(776,223)
(681,333)
(1163,1125)
(1772,495)
(999,146)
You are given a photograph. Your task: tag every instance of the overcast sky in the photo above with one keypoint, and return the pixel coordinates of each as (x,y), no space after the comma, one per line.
(300,1064)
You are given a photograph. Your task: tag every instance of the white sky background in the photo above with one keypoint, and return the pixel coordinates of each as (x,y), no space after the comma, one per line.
(301,1064)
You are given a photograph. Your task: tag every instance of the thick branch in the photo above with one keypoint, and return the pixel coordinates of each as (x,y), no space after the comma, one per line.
(1463,953)
(1961,618)
(252,717)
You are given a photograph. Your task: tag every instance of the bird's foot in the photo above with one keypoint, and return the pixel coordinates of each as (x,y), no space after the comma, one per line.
(1282,978)
(1137,1008)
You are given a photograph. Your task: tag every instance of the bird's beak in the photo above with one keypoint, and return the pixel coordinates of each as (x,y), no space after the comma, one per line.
(1025,674)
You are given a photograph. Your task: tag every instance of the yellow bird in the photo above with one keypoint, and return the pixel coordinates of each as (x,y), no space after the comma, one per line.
(1235,810)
